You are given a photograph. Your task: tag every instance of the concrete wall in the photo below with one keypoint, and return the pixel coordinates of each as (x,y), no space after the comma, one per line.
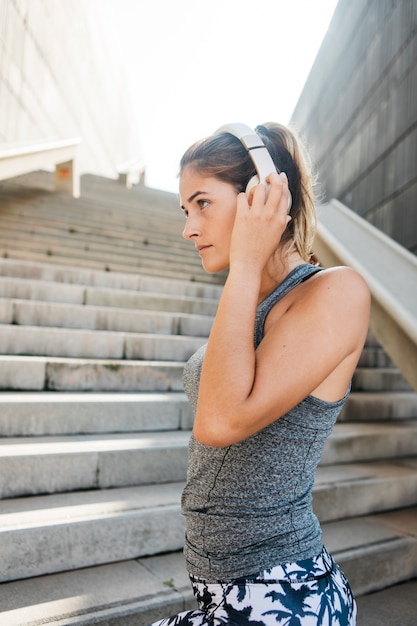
(358,113)
(61,76)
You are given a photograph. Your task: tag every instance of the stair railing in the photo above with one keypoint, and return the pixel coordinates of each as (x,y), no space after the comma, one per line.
(344,238)
(131,173)
(21,158)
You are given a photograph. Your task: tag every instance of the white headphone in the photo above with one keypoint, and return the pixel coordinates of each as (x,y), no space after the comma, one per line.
(257,151)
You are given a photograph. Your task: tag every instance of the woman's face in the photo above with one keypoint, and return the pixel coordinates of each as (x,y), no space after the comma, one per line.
(210,208)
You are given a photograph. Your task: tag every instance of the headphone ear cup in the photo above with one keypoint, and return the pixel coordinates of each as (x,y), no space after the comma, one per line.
(250,187)
(251,184)
(255,181)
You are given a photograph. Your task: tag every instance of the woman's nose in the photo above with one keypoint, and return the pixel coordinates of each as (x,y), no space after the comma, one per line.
(191,228)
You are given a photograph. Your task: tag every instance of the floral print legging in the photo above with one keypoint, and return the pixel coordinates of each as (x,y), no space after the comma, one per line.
(313,592)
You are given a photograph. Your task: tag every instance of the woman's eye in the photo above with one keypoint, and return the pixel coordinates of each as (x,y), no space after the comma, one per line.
(202,203)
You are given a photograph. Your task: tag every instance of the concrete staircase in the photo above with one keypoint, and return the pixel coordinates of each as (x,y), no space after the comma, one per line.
(94,424)
(108,228)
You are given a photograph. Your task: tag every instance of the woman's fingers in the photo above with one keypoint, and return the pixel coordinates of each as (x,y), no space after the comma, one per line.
(279,194)
(276,199)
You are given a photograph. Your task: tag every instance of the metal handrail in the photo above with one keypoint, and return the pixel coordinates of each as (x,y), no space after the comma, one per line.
(20,149)
(22,158)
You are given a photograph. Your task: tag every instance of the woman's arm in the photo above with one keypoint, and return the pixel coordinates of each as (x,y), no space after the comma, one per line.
(319,336)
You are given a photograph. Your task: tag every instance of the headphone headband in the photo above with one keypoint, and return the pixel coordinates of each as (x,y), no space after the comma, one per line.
(257,151)
(254,146)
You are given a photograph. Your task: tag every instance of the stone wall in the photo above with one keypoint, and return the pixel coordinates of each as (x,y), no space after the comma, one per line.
(61,77)
(358,113)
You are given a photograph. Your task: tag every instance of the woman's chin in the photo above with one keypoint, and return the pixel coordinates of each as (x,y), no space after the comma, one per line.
(214,268)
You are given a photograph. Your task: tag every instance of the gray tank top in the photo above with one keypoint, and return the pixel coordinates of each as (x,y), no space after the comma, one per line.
(248,506)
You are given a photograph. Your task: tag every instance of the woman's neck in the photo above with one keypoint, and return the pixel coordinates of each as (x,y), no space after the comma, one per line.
(277,269)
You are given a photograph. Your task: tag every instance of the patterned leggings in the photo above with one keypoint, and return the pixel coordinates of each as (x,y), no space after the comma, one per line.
(313,592)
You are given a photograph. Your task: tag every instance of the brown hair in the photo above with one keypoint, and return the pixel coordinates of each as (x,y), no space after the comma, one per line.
(224,157)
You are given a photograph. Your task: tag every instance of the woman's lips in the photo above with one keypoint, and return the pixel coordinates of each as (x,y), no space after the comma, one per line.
(203,248)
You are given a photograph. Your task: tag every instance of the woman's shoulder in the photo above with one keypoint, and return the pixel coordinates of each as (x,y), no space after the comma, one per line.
(339,289)
(343,273)
(343,279)
(331,293)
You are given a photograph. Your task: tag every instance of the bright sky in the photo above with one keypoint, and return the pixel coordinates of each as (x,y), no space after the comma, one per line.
(196,65)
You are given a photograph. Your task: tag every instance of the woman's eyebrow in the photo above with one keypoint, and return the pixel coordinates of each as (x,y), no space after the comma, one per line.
(194,196)
(197,193)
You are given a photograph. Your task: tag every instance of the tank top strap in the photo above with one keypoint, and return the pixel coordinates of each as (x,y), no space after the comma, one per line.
(297,276)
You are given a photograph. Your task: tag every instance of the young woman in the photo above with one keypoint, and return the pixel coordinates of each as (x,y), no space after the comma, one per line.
(266,389)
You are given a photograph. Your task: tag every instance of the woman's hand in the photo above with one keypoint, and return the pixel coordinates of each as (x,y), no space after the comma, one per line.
(260,222)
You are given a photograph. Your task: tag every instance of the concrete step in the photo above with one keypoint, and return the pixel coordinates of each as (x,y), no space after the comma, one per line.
(53,464)
(79,276)
(132,242)
(39,465)
(50,314)
(24,414)
(97,230)
(98,211)
(42,222)
(35,373)
(135,592)
(141,237)
(379,379)
(100,296)
(76,343)
(362,488)
(60,532)
(394,606)
(47,213)
(44,413)
(86,528)
(113,253)
(146,589)
(47,229)
(39,373)
(105,193)
(23,289)
(379,406)
(365,441)
(107,230)
(26,289)
(376,550)
(374,357)
(117,266)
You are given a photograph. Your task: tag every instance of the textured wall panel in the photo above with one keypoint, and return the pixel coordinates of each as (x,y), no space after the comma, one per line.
(358,113)
(61,76)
